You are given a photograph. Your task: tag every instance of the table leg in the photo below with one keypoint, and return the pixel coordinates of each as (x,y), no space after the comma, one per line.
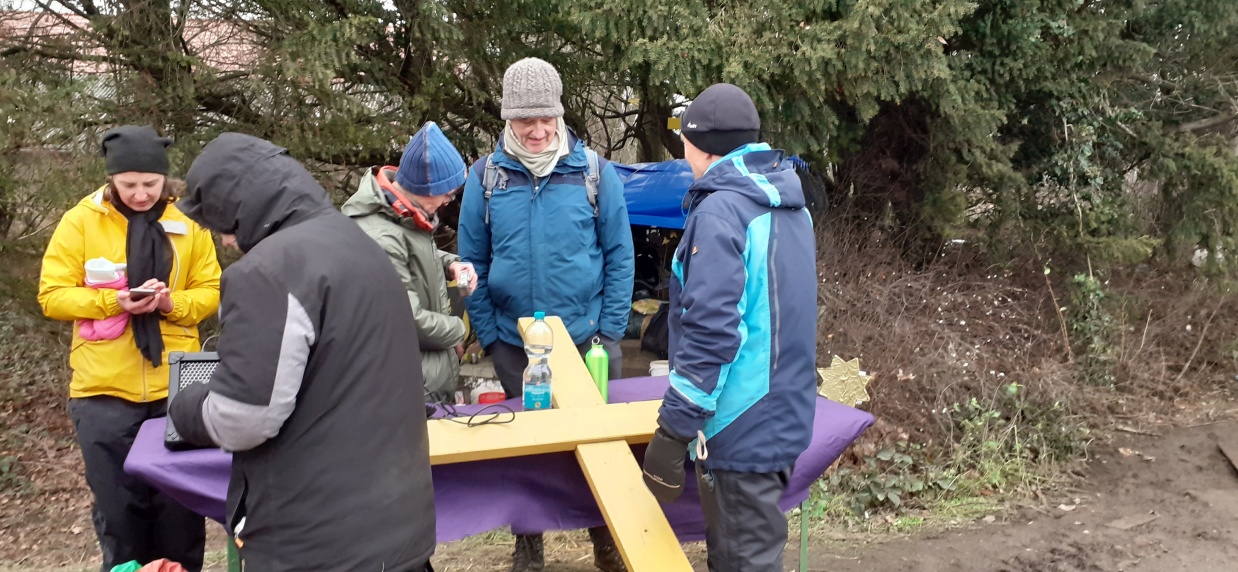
(234,557)
(804,536)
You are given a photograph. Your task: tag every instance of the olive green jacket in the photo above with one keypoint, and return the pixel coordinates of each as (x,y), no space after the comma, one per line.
(424,270)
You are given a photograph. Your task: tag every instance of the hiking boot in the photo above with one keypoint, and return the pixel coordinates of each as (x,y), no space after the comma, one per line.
(530,554)
(605,553)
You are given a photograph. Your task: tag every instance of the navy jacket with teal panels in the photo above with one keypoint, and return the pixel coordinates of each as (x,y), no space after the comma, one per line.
(743,315)
(543,249)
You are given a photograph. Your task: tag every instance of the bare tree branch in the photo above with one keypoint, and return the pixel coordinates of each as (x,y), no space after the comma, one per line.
(37,50)
(1209,123)
(63,18)
(619,115)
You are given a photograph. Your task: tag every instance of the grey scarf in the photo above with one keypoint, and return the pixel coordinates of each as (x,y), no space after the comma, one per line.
(542,163)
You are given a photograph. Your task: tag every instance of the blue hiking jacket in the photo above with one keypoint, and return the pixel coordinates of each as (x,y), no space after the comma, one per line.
(544,250)
(743,315)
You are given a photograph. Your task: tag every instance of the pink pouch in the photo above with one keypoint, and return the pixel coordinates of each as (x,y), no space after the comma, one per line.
(107,328)
(162,565)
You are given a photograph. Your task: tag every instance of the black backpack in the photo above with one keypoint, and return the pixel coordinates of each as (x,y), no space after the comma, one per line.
(657,336)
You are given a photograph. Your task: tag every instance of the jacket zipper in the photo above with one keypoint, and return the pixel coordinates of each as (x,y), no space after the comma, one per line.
(775,320)
(533,262)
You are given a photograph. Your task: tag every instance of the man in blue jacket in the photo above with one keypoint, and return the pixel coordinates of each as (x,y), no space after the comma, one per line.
(743,335)
(545,225)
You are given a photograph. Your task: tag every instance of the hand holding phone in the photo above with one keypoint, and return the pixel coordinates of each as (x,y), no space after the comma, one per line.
(137,300)
(139,294)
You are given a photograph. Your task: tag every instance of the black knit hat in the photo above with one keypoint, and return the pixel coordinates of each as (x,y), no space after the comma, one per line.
(135,148)
(721,119)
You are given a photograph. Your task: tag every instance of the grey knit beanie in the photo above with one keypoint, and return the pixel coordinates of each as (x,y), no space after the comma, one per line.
(532,88)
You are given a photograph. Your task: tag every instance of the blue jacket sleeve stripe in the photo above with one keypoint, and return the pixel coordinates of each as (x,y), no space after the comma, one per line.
(710,270)
(753,359)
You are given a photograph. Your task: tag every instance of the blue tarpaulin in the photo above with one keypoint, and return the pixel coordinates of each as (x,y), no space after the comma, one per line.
(655,191)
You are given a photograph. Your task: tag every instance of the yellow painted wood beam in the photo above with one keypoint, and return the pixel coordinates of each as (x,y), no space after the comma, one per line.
(641,531)
(538,432)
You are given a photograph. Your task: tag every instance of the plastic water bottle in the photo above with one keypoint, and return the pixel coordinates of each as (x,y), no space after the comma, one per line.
(598,362)
(538,343)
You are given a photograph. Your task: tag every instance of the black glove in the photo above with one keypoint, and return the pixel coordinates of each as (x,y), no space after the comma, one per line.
(664,473)
(185,412)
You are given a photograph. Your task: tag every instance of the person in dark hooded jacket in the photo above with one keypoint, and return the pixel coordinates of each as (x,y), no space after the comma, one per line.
(318,392)
(743,335)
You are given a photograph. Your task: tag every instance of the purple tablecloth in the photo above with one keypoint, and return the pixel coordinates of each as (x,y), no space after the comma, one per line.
(529,494)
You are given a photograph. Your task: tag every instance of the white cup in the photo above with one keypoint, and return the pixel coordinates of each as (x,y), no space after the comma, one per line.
(659,367)
(100,270)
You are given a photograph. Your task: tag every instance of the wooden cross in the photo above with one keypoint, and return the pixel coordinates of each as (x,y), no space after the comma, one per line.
(600,434)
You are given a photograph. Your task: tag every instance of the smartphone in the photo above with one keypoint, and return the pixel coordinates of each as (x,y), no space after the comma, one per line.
(138,294)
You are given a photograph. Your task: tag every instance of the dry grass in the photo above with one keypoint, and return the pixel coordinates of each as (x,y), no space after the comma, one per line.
(960,327)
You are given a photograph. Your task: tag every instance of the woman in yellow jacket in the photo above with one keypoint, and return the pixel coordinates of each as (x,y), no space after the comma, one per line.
(120,382)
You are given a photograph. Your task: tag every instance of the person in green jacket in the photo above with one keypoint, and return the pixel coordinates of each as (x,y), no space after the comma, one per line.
(396,207)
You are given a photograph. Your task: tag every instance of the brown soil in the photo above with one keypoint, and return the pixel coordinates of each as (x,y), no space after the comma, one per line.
(1179,477)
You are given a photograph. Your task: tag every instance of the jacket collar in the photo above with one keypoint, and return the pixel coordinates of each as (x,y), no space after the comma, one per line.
(371,199)
(98,204)
(415,214)
(746,149)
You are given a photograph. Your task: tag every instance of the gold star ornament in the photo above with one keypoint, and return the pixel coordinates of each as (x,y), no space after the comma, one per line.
(843,382)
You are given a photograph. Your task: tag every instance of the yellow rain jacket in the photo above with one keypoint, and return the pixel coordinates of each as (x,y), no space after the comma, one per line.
(93,229)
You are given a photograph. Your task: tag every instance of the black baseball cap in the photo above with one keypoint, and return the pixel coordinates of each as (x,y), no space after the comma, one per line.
(721,119)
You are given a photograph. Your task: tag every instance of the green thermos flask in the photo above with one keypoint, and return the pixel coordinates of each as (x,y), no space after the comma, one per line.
(598,363)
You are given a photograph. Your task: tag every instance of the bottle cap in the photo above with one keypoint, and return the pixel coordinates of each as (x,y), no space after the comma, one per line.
(539,315)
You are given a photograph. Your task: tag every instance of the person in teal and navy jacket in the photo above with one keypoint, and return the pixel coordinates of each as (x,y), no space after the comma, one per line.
(743,335)
(544,223)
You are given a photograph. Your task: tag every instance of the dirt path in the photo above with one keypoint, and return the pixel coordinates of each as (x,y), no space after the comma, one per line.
(1180,478)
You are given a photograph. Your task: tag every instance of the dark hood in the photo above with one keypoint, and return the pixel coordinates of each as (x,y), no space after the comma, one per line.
(755,171)
(250,187)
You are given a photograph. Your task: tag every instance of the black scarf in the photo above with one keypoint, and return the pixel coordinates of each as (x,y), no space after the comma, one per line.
(146,256)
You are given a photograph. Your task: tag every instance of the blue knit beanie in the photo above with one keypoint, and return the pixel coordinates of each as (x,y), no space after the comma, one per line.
(431,166)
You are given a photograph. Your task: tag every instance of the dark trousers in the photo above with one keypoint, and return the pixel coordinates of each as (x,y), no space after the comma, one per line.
(510,361)
(132,520)
(745,531)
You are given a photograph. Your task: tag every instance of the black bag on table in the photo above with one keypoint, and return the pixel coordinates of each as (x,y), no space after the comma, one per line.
(187,368)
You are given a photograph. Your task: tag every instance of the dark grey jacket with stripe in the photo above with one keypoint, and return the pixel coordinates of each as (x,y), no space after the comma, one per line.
(318,392)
